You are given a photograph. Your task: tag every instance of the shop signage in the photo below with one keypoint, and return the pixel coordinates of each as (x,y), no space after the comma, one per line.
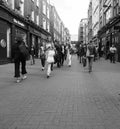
(18,22)
(37,32)
(3,43)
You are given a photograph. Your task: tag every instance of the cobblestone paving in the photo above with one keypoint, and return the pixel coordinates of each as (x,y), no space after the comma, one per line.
(70,99)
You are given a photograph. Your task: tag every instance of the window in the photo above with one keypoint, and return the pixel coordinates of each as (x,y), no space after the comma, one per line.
(48,12)
(37,3)
(108,15)
(22,7)
(37,19)
(44,23)
(44,7)
(32,15)
(48,26)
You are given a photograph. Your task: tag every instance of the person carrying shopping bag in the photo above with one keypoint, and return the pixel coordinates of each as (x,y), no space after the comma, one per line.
(49,58)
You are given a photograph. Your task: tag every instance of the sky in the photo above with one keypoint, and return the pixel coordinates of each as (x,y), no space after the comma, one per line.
(71,12)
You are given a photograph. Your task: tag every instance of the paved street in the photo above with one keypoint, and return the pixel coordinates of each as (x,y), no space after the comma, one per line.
(70,99)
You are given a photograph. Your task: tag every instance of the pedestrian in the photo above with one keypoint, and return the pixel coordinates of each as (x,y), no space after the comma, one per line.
(69,55)
(19,58)
(90,55)
(112,53)
(58,54)
(80,52)
(62,54)
(42,57)
(32,55)
(84,58)
(50,58)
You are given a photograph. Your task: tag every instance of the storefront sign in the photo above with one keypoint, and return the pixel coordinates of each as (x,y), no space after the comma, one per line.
(3,43)
(18,22)
(37,32)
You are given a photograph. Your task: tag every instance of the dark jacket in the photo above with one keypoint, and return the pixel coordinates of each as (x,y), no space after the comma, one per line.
(16,54)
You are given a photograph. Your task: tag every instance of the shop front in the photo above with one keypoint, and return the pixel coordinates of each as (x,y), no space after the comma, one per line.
(5,36)
(110,34)
(12,25)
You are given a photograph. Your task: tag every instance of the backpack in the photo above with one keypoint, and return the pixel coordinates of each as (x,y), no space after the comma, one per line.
(23,49)
(91,50)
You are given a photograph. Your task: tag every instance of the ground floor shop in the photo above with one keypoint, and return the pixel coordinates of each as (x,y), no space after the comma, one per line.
(11,26)
(110,35)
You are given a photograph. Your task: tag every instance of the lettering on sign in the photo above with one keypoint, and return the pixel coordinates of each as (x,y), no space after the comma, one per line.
(18,22)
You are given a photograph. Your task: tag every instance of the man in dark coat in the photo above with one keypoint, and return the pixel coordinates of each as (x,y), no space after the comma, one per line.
(19,59)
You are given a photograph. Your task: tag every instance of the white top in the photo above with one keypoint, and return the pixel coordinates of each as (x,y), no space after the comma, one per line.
(113,49)
(50,56)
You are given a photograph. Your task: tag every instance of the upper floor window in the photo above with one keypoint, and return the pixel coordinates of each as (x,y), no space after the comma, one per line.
(44,7)
(48,26)
(37,3)
(48,12)
(44,23)
(37,19)
(32,16)
(22,7)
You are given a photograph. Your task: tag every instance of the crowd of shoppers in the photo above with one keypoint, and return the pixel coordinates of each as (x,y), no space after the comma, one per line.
(50,54)
(87,53)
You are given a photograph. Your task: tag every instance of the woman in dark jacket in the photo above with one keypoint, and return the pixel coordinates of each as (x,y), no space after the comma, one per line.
(19,60)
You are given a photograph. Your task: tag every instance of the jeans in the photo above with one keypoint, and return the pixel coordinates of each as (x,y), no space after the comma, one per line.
(20,67)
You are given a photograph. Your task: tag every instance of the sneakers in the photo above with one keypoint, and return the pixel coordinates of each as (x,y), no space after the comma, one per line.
(24,77)
(18,80)
(43,68)
(48,76)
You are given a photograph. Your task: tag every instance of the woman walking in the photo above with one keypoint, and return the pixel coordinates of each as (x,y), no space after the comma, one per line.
(50,59)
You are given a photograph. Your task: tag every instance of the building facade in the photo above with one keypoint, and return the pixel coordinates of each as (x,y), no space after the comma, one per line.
(90,22)
(83,31)
(21,17)
(57,29)
(109,32)
(95,20)
(31,19)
